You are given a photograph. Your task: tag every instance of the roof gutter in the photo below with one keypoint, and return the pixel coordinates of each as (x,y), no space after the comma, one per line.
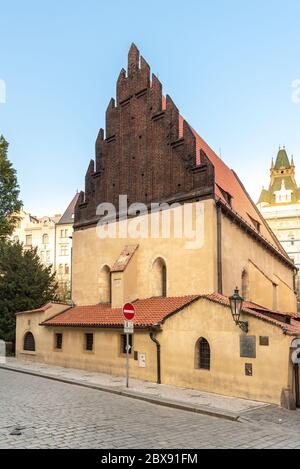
(219,249)
(94,326)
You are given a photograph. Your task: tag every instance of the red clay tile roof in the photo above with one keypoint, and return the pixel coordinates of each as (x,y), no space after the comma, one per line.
(290,329)
(42,309)
(124,258)
(256,307)
(226,180)
(241,203)
(154,311)
(148,312)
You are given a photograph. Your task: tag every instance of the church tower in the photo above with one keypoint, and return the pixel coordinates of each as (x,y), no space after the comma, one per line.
(283,187)
(280,206)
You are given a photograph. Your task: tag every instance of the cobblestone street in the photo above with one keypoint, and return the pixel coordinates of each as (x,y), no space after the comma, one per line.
(57,415)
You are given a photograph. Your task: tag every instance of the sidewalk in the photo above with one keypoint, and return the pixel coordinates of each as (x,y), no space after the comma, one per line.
(170,396)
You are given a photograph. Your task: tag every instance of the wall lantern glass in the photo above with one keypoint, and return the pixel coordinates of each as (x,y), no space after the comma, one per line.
(236,305)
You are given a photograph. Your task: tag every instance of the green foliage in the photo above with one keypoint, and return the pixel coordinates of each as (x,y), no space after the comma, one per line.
(10,204)
(63,293)
(25,284)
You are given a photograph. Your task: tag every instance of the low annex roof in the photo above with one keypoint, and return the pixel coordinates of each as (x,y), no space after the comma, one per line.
(149,312)
(154,311)
(288,324)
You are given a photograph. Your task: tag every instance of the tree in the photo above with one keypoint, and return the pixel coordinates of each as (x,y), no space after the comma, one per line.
(25,284)
(10,205)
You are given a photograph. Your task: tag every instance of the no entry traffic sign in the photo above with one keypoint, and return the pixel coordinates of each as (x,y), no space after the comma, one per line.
(128,311)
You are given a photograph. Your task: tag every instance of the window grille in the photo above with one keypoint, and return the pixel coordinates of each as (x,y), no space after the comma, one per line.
(204,355)
(89,342)
(29,342)
(58,341)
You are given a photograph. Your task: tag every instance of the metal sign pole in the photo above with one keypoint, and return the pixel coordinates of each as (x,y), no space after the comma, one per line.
(127,360)
(128,313)
(297,387)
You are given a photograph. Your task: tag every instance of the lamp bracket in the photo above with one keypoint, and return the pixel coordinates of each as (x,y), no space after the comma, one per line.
(243,325)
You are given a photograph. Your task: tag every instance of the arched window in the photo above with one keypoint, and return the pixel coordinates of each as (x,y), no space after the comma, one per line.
(29,342)
(159,278)
(105,285)
(245,284)
(202,354)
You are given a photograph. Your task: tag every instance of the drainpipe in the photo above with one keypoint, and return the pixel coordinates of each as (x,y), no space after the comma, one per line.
(55,270)
(153,332)
(71,272)
(219,250)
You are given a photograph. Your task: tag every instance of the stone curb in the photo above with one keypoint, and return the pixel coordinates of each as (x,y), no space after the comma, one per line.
(219,413)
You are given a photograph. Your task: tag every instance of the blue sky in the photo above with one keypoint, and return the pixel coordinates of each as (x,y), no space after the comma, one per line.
(227,64)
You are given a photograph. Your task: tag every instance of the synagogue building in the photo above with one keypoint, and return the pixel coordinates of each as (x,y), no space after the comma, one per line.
(181,282)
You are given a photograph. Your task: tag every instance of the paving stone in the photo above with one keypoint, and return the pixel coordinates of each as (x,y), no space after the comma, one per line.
(58,415)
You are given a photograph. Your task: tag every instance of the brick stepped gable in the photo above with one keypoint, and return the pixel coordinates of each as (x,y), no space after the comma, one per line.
(148,152)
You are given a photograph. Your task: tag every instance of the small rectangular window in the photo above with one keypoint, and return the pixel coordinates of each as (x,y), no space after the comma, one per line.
(89,342)
(28,240)
(58,341)
(123,343)
(45,239)
(248,369)
(63,250)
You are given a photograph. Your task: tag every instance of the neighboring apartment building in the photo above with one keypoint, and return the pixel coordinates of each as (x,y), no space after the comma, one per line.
(63,250)
(52,236)
(280,206)
(186,332)
(38,232)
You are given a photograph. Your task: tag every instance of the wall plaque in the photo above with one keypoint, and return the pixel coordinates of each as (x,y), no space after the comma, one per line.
(248,346)
(264,341)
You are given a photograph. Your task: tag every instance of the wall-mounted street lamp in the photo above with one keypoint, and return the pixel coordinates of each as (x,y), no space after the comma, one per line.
(236,304)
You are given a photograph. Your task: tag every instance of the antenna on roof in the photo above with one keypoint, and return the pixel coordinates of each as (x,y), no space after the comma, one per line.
(220,150)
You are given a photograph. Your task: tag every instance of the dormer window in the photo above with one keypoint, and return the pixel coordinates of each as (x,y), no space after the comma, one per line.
(255,223)
(227,196)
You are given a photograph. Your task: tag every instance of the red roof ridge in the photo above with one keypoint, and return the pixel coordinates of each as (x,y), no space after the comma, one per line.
(42,309)
(237,190)
(149,312)
(287,328)
(156,310)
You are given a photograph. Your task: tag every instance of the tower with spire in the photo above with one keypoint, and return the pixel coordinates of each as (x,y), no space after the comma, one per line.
(283,187)
(280,206)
